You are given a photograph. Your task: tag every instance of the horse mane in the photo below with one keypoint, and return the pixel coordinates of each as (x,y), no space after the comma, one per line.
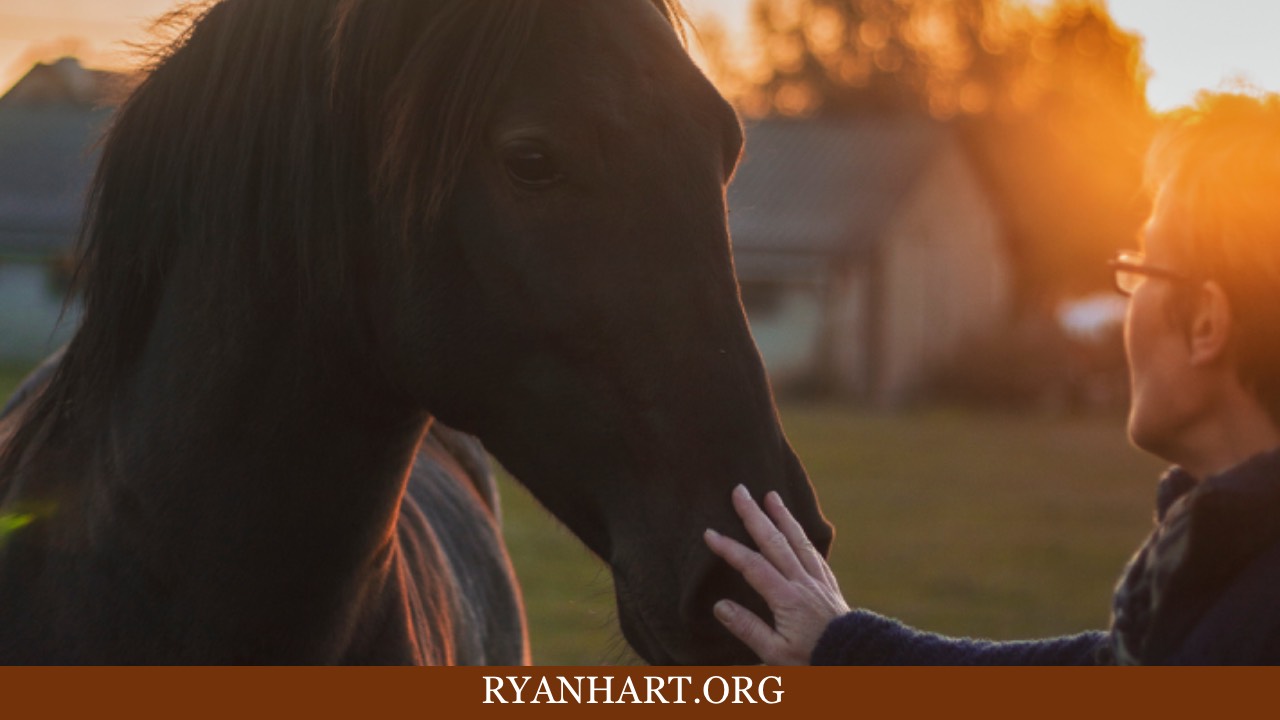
(294,148)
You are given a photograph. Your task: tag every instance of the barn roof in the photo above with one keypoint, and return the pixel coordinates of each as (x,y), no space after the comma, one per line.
(808,190)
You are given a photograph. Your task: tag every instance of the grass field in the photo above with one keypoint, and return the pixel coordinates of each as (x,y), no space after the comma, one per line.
(975,524)
(10,376)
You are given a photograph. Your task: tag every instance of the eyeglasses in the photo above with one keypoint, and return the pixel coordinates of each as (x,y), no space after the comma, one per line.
(1131,269)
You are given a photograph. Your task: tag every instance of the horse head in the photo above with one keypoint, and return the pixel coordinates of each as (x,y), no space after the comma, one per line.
(576,308)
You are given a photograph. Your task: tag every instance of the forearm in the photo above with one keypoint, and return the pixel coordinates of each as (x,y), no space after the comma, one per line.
(864,638)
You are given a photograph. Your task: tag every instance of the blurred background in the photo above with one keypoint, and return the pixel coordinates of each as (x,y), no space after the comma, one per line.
(929,193)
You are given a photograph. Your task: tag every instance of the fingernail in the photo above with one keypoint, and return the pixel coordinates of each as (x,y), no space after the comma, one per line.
(723,610)
(711,534)
(742,492)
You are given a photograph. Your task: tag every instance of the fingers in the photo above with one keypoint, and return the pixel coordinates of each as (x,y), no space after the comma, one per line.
(773,544)
(788,572)
(758,571)
(752,631)
(810,558)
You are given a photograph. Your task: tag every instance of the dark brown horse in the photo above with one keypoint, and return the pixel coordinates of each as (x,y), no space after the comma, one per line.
(318,225)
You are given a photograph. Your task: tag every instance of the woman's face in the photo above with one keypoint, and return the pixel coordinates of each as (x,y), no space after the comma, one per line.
(1164,399)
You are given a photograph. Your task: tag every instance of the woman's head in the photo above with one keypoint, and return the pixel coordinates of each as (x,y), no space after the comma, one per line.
(1217,168)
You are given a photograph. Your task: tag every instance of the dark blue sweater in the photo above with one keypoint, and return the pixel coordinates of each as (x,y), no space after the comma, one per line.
(864,638)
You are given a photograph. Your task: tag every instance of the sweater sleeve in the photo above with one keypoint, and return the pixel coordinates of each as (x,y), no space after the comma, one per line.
(865,638)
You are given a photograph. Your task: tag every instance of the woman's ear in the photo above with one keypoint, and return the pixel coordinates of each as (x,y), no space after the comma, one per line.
(1212,322)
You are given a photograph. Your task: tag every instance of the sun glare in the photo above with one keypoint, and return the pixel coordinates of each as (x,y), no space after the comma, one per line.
(1186,46)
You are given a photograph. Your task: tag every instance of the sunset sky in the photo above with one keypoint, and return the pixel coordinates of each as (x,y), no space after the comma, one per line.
(1190,44)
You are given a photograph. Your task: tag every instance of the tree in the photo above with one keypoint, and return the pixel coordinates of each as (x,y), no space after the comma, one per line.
(1067,162)
(1052,105)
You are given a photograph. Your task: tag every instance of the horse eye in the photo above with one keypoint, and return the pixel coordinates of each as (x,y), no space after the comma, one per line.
(532,168)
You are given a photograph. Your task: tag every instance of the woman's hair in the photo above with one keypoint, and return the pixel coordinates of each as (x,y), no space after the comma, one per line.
(1216,169)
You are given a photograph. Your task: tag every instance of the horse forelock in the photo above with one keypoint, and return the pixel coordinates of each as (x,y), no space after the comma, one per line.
(443,87)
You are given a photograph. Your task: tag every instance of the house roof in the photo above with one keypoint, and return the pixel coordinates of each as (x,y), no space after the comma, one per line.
(64,82)
(48,128)
(808,190)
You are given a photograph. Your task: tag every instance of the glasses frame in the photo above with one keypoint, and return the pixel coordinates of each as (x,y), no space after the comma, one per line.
(1135,263)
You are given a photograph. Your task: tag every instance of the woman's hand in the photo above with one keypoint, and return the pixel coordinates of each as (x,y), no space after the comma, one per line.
(789,573)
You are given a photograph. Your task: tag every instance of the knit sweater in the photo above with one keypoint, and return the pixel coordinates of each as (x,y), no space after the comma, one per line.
(1203,589)
(865,638)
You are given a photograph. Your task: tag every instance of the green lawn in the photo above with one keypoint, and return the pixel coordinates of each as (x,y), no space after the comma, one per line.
(967,523)
(10,376)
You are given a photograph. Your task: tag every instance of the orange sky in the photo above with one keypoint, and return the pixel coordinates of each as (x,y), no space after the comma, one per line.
(1190,44)
(97,30)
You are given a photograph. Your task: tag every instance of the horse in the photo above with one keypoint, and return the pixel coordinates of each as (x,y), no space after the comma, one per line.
(330,242)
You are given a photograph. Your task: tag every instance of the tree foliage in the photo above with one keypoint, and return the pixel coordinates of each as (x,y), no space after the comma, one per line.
(1051,103)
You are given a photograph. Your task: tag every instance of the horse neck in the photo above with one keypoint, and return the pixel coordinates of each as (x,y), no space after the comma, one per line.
(266,427)
(245,452)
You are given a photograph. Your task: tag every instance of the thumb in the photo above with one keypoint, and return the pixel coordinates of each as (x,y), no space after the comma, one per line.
(750,629)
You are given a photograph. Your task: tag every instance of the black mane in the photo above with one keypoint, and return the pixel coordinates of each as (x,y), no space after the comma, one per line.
(295,149)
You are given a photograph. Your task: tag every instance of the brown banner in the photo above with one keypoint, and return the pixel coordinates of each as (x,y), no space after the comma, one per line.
(222,693)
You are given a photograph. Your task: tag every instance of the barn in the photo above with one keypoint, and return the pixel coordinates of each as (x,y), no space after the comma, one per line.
(868,252)
(49,122)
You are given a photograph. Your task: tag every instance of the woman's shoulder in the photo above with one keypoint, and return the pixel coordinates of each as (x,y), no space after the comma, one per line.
(1242,626)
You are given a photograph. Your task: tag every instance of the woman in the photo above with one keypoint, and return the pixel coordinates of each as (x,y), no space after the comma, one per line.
(1202,337)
